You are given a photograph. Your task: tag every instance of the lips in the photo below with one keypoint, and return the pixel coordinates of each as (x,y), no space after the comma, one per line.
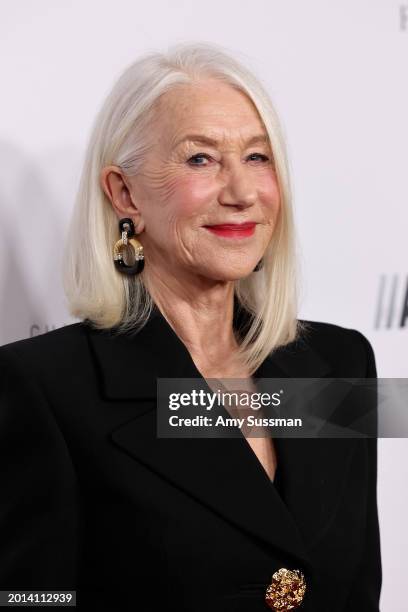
(233,226)
(232,230)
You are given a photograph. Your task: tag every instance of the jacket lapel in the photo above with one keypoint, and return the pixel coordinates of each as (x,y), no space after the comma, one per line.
(313,471)
(224,474)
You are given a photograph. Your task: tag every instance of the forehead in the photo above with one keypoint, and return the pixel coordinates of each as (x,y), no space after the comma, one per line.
(210,107)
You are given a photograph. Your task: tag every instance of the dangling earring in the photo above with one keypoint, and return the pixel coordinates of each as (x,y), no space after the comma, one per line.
(259,265)
(127,230)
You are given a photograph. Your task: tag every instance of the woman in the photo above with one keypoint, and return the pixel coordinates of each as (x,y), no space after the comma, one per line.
(186,170)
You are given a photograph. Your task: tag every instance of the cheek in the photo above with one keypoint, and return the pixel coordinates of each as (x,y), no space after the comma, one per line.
(180,203)
(268,189)
(268,192)
(191,195)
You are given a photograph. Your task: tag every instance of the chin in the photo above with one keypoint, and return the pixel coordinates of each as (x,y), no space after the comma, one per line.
(230,274)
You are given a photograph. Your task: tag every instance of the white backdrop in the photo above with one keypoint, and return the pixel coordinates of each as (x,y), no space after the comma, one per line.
(337,73)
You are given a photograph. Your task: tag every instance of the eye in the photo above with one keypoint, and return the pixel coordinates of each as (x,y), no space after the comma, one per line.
(264,158)
(197,157)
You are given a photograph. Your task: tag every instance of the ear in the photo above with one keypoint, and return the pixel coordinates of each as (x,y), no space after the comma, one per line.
(119,194)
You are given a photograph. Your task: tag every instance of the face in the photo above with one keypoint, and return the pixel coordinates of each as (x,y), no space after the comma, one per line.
(206,175)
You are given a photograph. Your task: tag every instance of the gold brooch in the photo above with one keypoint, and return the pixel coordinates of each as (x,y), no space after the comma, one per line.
(286,590)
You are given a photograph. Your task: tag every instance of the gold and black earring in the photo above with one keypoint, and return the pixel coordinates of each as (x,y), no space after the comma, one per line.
(127,229)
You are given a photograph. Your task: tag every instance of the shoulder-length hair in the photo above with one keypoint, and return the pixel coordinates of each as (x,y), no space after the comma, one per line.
(95,290)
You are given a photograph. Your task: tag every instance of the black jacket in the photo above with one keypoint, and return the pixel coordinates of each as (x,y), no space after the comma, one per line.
(92,500)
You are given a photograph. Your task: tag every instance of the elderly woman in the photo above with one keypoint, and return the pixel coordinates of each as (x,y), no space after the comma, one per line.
(180,263)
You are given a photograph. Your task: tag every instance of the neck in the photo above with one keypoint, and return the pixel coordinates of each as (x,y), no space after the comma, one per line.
(201,316)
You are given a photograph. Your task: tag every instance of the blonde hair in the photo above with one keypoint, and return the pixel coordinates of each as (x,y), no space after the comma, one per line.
(95,290)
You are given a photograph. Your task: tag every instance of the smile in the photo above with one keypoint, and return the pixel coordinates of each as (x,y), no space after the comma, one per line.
(232,230)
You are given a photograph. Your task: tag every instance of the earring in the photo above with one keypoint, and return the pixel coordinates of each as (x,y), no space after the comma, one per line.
(127,229)
(258,266)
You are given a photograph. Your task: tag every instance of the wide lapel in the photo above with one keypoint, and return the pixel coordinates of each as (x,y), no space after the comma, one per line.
(313,471)
(221,473)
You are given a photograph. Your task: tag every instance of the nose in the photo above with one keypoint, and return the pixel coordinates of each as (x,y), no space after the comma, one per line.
(238,187)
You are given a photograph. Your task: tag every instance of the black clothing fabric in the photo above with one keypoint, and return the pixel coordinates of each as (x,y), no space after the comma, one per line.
(92,500)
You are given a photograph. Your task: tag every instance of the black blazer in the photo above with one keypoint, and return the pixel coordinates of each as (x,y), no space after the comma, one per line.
(93,501)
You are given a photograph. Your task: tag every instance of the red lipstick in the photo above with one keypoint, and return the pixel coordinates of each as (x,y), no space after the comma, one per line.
(232,230)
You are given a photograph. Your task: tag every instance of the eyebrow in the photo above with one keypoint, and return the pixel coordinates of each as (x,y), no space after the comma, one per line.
(206,140)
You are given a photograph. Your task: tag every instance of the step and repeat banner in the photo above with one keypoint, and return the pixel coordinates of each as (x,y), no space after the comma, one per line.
(337,73)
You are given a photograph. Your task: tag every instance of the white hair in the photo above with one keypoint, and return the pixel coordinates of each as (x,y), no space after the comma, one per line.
(95,290)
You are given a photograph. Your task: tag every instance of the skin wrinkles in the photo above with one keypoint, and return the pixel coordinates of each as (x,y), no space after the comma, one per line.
(189,271)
